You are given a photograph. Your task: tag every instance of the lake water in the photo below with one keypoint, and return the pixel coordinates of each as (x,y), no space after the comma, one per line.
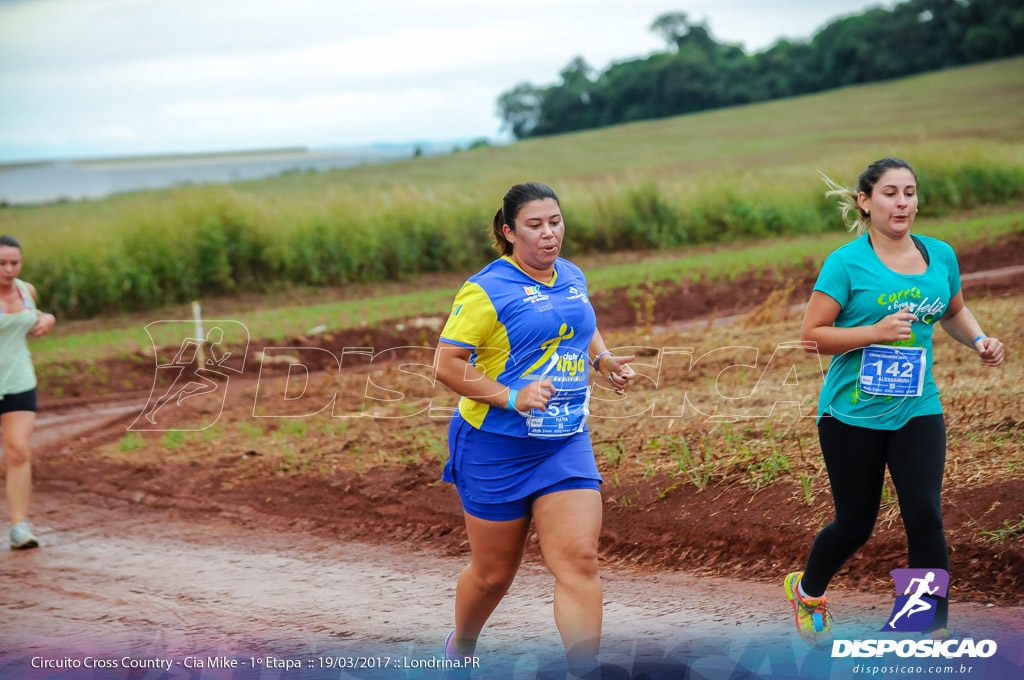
(44,182)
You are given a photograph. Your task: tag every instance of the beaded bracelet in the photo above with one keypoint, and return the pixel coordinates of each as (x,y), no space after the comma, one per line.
(598,358)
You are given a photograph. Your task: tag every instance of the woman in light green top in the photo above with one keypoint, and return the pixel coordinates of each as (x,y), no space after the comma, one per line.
(19,318)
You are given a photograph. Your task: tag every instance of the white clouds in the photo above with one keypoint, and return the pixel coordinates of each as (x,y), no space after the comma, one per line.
(130,76)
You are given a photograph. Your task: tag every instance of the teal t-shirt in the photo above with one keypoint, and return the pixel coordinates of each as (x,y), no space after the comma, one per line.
(867,291)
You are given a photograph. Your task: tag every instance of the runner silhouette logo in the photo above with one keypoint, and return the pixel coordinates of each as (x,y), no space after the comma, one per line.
(193,369)
(916,592)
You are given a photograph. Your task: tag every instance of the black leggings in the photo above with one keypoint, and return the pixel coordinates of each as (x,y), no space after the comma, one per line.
(856,458)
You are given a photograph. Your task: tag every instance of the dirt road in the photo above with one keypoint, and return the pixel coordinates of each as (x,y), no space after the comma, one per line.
(121,581)
(116,580)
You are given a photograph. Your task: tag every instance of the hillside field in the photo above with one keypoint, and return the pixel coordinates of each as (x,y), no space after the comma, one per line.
(718,177)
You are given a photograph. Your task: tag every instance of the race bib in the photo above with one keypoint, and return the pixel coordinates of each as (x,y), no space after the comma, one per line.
(892,371)
(566,414)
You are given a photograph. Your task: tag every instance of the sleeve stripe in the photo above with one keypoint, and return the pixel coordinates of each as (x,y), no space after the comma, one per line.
(456,342)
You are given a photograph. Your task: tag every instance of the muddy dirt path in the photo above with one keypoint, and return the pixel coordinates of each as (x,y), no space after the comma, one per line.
(113,577)
(117,578)
(51,429)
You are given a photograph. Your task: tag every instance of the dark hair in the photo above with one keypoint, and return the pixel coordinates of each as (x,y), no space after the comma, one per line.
(859,221)
(516,198)
(869,178)
(9,241)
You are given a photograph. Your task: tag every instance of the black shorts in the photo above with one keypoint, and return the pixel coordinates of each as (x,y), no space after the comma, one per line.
(20,401)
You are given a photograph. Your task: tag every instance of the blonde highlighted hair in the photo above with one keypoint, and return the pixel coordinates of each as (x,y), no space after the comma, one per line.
(857,220)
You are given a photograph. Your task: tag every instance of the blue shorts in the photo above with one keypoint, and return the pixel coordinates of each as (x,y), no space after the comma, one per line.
(498,477)
(502,512)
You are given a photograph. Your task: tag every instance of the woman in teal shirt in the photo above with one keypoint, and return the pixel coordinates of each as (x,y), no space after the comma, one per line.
(874,307)
(19,318)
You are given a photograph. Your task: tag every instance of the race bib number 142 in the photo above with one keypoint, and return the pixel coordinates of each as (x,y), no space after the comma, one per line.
(892,371)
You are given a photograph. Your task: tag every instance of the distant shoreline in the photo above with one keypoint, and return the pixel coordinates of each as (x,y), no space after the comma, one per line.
(38,182)
(162,157)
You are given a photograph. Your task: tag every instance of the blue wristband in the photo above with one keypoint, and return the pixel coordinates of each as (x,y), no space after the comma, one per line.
(980,337)
(512,394)
(598,358)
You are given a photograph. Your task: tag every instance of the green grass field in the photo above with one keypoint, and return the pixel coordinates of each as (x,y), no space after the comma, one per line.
(723,176)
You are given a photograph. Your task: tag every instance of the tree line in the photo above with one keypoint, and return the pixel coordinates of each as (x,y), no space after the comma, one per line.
(697,72)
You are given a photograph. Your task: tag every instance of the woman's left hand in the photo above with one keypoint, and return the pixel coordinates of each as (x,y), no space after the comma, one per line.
(43,325)
(617,370)
(990,350)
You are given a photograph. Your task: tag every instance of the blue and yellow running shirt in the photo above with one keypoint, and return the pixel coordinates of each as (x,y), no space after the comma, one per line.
(867,291)
(521,330)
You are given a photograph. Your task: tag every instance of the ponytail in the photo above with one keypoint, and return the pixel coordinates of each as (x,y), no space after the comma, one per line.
(859,221)
(501,244)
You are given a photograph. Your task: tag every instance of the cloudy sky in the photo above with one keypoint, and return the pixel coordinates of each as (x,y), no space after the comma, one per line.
(121,77)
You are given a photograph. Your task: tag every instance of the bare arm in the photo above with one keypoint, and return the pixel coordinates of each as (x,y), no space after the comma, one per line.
(963,327)
(616,369)
(821,313)
(44,321)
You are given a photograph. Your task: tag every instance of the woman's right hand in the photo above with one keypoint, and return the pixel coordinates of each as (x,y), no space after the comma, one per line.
(895,327)
(535,395)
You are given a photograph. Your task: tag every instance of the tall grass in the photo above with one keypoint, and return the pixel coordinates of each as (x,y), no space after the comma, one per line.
(209,241)
(277,321)
(742,173)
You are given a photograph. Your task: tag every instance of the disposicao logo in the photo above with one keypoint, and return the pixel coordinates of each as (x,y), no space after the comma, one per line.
(914,611)
(948,649)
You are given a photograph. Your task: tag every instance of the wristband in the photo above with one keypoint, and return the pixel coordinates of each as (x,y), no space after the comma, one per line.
(598,358)
(512,394)
(980,337)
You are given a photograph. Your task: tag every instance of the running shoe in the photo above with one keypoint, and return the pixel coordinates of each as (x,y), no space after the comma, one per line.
(942,634)
(450,654)
(450,651)
(22,538)
(813,621)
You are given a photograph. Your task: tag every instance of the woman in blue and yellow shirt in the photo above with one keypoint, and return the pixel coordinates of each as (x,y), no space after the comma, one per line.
(517,348)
